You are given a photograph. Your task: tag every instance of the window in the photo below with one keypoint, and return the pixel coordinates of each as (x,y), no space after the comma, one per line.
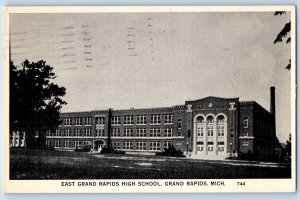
(141,119)
(87,121)
(154,132)
(221,131)
(221,146)
(128,132)
(77,144)
(67,143)
(100,120)
(56,143)
(128,120)
(210,148)
(67,121)
(127,145)
(99,132)
(179,124)
(210,131)
(245,143)
(87,132)
(116,145)
(115,132)
(200,120)
(155,119)
(245,122)
(116,120)
(67,132)
(57,132)
(140,145)
(48,143)
(200,148)
(200,131)
(168,119)
(77,132)
(210,119)
(78,121)
(141,132)
(154,145)
(168,132)
(167,144)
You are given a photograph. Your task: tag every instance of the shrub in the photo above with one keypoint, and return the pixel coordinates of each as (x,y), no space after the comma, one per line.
(171,151)
(107,150)
(85,148)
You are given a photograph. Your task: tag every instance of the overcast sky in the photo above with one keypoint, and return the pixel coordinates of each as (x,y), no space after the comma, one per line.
(141,60)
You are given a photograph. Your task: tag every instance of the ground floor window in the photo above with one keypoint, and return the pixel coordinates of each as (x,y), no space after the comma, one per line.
(77,144)
(167,144)
(220,148)
(200,148)
(154,145)
(67,143)
(127,145)
(210,148)
(48,143)
(56,143)
(140,145)
(116,145)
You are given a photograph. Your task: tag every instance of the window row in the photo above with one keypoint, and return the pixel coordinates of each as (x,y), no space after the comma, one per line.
(142,119)
(78,121)
(211,148)
(210,131)
(142,145)
(142,132)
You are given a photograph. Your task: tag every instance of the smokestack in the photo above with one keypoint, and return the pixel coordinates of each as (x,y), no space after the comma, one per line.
(272,107)
(272,101)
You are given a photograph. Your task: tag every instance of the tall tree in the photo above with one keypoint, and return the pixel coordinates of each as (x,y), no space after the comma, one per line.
(35,101)
(283,34)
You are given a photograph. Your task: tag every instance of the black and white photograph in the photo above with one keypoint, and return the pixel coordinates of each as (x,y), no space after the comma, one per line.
(191,96)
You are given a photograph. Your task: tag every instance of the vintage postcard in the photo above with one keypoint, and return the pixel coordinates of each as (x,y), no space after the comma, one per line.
(150,99)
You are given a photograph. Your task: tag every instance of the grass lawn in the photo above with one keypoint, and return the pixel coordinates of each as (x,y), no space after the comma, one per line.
(42,164)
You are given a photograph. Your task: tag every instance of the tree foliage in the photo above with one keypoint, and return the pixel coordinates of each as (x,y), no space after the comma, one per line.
(283,34)
(35,101)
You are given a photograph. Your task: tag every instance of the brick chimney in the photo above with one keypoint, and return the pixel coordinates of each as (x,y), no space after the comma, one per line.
(272,107)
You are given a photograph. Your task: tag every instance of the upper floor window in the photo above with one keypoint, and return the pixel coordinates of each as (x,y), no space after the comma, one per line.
(168,119)
(141,119)
(100,120)
(128,119)
(154,132)
(155,119)
(179,124)
(78,121)
(245,122)
(200,120)
(210,119)
(168,132)
(67,121)
(77,132)
(210,131)
(87,132)
(220,120)
(141,132)
(115,132)
(87,121)
(128,132)
(116,120)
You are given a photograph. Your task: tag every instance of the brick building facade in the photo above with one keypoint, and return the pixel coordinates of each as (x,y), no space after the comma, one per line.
(209,128)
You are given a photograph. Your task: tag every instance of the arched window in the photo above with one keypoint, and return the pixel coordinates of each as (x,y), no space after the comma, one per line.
(179,124)
(210,119)
(200,120)
(210,126)
(200,126)
(221,125)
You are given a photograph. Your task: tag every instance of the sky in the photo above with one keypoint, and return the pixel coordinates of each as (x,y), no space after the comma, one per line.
(144,60)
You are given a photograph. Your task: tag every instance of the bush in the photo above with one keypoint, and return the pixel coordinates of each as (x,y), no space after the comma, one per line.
(171,151)
(86,148)
(110,150)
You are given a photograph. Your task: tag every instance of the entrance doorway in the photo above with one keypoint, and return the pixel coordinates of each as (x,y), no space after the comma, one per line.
(98,145)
